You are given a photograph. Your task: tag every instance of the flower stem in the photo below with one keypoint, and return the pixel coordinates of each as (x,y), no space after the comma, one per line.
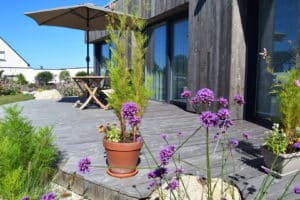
(208,168)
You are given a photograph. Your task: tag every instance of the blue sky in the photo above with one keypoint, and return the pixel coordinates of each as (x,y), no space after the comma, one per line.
(47,46)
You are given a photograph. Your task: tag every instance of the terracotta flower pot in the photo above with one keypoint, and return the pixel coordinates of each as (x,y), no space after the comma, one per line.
(122,158)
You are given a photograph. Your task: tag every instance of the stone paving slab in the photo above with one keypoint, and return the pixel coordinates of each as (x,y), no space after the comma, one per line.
(76,136)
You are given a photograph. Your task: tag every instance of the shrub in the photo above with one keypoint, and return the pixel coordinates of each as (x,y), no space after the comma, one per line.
(69,89)
(64,76)
(27,156)
(81,73)
(10,88)
(44,77)
(21,79)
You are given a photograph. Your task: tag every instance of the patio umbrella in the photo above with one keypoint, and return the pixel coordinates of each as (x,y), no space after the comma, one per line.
(87,17)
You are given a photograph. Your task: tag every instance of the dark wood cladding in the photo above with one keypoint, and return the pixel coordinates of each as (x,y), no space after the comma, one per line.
(217,46)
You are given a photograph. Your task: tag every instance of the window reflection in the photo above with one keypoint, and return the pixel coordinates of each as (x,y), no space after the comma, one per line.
(278,33)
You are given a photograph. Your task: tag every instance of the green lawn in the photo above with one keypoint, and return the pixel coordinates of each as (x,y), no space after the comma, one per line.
(15,98)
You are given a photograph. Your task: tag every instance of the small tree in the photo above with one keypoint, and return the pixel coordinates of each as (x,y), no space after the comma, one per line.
(81,73)
(127,73)
(64,76)
(43,78)
(21,79)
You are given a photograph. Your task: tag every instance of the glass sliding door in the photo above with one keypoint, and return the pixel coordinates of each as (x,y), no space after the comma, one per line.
(104,57)
(157,61)
(278,33)
(178,59)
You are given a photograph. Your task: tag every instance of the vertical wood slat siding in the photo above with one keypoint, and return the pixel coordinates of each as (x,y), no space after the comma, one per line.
(217,48)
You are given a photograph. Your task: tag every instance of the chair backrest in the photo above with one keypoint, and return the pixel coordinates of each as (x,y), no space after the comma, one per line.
(106,81)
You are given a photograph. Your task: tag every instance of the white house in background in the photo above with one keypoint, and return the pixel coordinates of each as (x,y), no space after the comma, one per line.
(13,64)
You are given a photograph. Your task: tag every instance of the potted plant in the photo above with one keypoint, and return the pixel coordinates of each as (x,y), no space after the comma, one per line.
(281,150)
(130,94)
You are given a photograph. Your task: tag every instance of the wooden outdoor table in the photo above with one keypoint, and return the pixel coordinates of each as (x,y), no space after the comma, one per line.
(90,84)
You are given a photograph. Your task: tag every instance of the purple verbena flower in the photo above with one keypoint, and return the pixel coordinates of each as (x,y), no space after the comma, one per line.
(166,154)
(164,136)
(178,170)
(186,94)
(245,135)
(179,134)
(48,196)
(209,119)
(194,100)
(239,99)
(139,138)
(223,113)
(296,145)
(129,109)
(223,102)
(297,83)
(152,185)
(134,120)
(26,198)
(84,165)
(173,184)
(226,123)
(216,136)
(206,96)
(234,142)
(297,189)
(158,173)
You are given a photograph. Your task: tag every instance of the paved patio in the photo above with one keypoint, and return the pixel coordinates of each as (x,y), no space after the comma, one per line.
(76,136)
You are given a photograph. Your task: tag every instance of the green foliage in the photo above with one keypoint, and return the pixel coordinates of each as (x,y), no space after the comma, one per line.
(27,156)
(69,89)
(43,78)
(127,73)
(64,76)
(277,141)
(21,79)
(10,87)
(113,133)
(81,73)
(289,98)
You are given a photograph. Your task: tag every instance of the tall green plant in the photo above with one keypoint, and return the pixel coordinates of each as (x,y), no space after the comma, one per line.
(289,98)
(27,156)
(126,34)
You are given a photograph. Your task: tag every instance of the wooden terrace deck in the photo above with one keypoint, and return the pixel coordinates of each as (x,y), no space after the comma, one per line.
(76,136)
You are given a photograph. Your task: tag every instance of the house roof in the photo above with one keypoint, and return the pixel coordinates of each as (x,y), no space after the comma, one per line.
(14,51)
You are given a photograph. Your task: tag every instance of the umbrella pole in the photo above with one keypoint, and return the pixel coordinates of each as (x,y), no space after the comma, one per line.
(88,53)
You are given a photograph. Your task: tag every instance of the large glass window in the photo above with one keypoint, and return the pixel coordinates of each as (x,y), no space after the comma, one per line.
(278,33)
(167,59)
(179,58)
(157,68)
(104,57)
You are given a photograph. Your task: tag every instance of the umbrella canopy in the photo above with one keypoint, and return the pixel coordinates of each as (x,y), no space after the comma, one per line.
(84,17)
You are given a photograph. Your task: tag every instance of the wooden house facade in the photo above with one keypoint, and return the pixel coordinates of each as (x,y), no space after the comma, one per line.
(216,44)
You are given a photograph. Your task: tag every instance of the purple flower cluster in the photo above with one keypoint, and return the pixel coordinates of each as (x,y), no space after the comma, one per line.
(223,114)
(166,154)
(205,96)
(129,110)
(297,189)
(164,136)
(234,142)
(186,94)
(223,102)
(297,83)
(239,99)
(158,173)
(173,184)
(84,165)
(296,145)
(245,135)
(26,198)
(209,119)
(48,196)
